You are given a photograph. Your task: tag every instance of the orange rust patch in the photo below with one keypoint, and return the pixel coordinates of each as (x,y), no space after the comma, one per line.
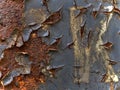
(38,52)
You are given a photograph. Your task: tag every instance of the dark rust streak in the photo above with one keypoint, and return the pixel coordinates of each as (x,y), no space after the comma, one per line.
(45,3)
(114,2)
(82,29)
(82,11)
(89,37)
(112,62)
(53,18)
(75,4)
(116,10)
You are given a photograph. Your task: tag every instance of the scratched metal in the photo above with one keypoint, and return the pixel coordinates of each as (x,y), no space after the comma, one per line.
(90,64)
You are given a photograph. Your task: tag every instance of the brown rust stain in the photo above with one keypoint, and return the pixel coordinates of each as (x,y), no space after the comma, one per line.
(38,52)
(10,16)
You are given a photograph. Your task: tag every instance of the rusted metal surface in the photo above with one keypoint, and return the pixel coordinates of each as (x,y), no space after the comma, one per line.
(77,49)
(10,16)
(23,54)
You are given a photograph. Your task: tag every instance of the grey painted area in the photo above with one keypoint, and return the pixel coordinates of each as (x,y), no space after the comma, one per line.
(64,80)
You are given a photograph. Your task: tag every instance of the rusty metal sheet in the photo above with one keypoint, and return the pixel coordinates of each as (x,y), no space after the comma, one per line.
(83,45)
